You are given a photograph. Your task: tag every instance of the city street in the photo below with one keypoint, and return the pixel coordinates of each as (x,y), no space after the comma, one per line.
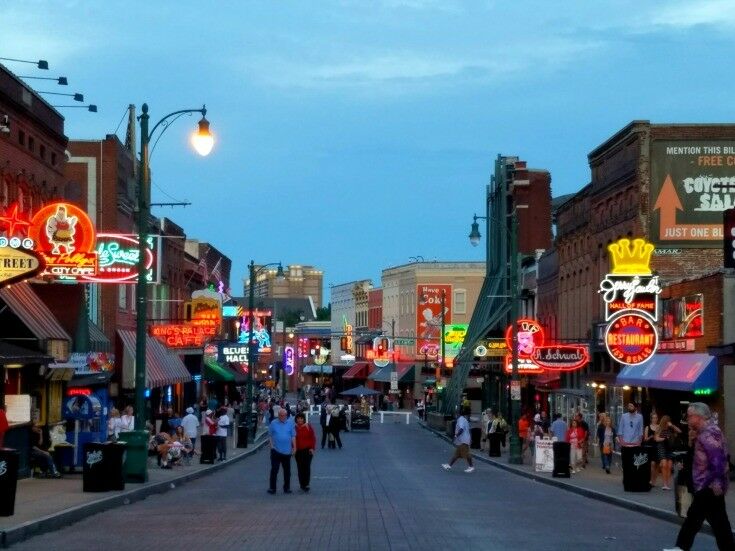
(385,490)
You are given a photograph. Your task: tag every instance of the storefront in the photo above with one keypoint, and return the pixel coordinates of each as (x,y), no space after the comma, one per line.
(405,374)
(165,373)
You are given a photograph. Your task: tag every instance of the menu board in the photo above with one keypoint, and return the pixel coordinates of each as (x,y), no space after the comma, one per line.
(18,408)
(544,460)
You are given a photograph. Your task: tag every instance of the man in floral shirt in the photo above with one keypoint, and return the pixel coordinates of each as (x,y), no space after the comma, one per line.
(710,479)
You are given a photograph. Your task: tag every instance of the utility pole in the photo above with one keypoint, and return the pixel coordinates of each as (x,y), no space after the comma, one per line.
(514,443)
(442,364)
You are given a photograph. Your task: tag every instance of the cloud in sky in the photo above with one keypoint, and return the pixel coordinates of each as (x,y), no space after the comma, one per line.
(688,14)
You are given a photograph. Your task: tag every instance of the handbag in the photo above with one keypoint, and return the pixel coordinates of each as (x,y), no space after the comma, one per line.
(606,449)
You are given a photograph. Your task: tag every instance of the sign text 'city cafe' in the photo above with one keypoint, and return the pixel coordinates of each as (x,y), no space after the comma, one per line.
(630,292)
(534,356)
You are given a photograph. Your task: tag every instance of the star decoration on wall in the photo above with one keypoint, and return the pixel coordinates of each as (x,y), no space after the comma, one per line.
(13,221)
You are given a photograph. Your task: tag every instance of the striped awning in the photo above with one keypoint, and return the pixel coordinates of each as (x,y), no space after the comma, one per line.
(162,367)
(33,312)
(358,371)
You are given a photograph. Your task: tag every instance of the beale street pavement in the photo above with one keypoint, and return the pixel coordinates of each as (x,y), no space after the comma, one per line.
(384,490)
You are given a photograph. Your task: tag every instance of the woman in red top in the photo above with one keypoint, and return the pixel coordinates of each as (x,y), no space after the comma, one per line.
(305,446)
(576,437)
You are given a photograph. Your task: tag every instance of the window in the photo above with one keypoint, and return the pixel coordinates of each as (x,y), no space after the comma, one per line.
(122,297)
(21,137)
(53,158)
(460,301)
(42,151)
(31,144)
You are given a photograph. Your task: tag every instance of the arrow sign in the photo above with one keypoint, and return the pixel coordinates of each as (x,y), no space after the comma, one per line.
(667,203)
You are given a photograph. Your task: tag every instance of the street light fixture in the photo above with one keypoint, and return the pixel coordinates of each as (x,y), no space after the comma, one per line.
(280,276)
(475,231)
(41,63)
(92,108)
(61,81)
(77,97)
(144,208)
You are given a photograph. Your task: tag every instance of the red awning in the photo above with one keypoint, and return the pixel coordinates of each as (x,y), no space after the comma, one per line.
(32,311)
(360,370)
(162,367)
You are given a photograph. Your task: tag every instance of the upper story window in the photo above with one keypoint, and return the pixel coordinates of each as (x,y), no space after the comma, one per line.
(21,138)
(460,301)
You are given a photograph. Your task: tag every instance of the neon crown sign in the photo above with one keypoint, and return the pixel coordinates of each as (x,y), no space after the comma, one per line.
(631,260)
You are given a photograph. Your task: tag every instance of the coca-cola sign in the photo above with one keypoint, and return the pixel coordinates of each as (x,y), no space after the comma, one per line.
(561,357)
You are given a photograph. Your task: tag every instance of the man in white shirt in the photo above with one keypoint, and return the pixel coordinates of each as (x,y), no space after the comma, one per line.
(222,423)
(190,424)
(462,440)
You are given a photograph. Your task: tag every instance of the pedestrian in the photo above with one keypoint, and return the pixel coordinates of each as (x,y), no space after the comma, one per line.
(649,441)
(283,445)
(127,420)
(630,427)
(545,423)
(523,425)
(223,421)
(486,417)
(606,437)
(710,480)
(333,426)
(305,446)
(575,436)
(113,425)
(3,424)
(559,428)
(502,426)
(585,444)
(462,442)
(41,456)
(190,424)
(665,449)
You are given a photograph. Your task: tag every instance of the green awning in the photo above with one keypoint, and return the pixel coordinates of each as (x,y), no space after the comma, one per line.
(213,371)
(405,373)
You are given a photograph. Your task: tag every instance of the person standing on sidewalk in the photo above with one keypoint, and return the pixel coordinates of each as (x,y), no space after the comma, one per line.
(576,438)
(283,445)
(559,428)
(462,442)
(127,420)
(630,427)
(606,437)
(710,479)
(223,421)
(305,446)
(190,424)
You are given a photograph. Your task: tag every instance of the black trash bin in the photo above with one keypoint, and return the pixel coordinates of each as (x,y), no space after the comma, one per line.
(242,435)
(475,436)
(94,471)
(636,469)
(9,459)
(562,453)
(493,440)
(209,448)
(114,458)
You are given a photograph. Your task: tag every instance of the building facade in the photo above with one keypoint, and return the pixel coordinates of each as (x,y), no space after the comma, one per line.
(300,282)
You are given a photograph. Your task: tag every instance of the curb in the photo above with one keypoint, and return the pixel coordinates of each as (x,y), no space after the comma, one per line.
(60,520)
(654,512)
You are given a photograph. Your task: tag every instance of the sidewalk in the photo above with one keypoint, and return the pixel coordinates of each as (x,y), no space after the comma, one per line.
(593,482)
(46,504)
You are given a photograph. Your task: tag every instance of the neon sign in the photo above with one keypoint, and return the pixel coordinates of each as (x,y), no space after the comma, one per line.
(65,236)
(289,364)
(561,357)
(118,256)
(631,338)
(184,335)
(78,391)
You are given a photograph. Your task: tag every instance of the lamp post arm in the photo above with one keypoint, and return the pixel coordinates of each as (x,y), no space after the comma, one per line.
(202,110)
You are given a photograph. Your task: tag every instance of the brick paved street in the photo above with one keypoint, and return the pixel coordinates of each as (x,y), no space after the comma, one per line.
(384,490)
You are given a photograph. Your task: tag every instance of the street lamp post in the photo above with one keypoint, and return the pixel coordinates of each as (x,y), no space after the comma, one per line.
(251,323)
(515,447)
(203,142)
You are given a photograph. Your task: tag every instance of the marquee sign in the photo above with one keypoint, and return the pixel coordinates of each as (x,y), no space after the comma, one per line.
(17,264)
(630,293)
(492,348)
(65,237)
(118,256)
(232,352)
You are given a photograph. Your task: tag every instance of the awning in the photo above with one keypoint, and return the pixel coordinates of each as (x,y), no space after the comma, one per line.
(358,371)
(240,377)
(162,367)
(33,312)
(405,373)
(318,369)
(101,378)
(367,338)
(97,340)
(685,372)
(11,354)
(213,371)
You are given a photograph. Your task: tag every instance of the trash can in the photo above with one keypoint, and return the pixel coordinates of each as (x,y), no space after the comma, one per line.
(9,459)
(562,453)
(136,455)
(493,440)
(242,435)
(94,474)
(209,449)
(475,436)
(636,469)
(114,458)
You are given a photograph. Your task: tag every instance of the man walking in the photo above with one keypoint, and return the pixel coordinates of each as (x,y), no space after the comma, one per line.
(283,445)
(710,480)
(462,442)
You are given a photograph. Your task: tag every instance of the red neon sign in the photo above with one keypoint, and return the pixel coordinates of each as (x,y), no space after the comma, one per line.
(118,259)
(562,357)
(631,339)
(182,335)
(78,391)
(530,336)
